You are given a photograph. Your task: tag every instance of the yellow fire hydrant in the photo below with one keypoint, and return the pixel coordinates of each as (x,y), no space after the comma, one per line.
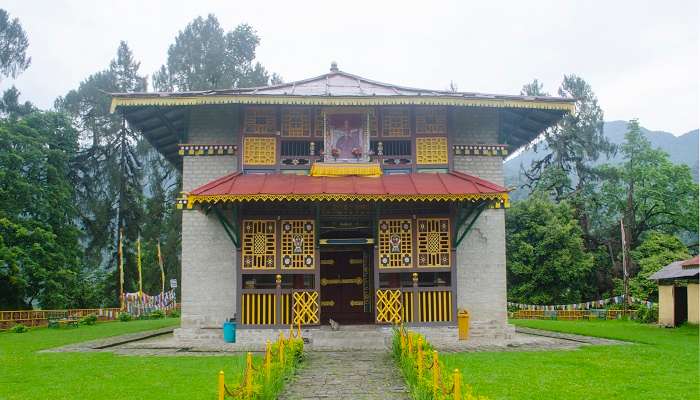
(463,324)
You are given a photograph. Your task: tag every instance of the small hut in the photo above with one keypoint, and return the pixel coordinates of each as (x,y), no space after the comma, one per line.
(678,292)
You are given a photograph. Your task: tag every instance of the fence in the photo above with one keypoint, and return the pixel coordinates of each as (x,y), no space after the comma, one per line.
(265,380)
(279,307)
(41,317)
(569,315)
(415,305)
(425,373)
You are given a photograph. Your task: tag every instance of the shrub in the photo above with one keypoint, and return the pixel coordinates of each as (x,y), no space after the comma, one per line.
(648,315)
(124,317)
(19,328)
(174,314)
(156,314)
(89,320)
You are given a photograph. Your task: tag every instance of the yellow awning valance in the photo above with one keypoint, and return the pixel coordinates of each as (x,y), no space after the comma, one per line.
(346,169)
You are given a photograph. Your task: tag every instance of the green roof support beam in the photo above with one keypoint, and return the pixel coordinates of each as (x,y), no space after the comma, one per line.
(473,212)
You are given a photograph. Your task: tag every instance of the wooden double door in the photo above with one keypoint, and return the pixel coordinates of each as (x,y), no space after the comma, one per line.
(346,287)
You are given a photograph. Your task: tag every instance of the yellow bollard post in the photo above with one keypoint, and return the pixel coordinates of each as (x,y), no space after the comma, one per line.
(268,358)
(410,343)
(291,331)
(299,328)
(249,376)
(403,343)
(436,374)
(457,381)
(221,385)
(281,349)
(419,353)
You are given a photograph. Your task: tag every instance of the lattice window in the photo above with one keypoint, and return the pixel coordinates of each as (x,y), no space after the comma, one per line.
(296,122)
(259,150)
(260,120)
(373,124)
(431,120)
(259,244)
(318,123)
(395,243)
(431,150)
(433,242)
(395,123)
(297,244)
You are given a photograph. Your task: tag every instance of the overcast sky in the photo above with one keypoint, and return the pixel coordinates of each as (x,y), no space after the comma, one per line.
(641,57)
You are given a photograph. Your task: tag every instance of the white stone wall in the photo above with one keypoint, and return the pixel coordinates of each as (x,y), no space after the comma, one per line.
(481,257)
(208,255)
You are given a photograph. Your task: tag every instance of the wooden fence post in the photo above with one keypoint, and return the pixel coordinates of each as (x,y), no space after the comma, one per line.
(249,376)
(268,356)
(419,352)
(436,373)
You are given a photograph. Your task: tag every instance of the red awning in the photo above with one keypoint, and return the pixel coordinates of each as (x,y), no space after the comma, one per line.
(451,186)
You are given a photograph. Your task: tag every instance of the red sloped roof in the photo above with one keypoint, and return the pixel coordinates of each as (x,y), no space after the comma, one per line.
(451,186)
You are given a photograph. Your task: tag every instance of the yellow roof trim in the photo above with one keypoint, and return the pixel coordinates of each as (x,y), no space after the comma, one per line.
(337,101)
(501,198)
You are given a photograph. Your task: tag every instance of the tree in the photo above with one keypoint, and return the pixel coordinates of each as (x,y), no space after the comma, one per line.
(39,242)
(11,107)
(534,88)
(13,46)
(546,259)
(655,252)
(109,167)
(205,57)
(572,145)
(648,190)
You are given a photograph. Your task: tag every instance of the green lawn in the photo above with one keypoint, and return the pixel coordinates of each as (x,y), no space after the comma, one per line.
(661,364)
(26,374)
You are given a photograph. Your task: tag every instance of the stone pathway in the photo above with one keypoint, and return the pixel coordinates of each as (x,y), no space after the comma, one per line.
(347,375)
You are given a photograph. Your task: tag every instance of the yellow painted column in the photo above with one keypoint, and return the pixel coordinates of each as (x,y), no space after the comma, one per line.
(693,304)
(666,305)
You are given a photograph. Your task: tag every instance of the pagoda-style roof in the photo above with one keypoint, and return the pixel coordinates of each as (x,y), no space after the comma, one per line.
(161,116)
(450,186)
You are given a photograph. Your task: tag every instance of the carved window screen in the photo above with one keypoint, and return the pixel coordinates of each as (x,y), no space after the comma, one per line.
(373,123)
(260,120)
(395,243)
(319,124)
(431,150)
(296,122)
(431,121)
(433,242)
(297,244)
(395,123)
(259,244)
(259,150)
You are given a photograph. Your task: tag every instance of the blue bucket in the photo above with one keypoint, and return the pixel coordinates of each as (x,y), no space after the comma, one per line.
(230,332)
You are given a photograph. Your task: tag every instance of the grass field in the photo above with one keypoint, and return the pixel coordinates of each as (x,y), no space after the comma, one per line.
(661,364)
(26,374)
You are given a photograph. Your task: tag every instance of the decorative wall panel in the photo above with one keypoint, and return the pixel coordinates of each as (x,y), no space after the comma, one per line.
(296,122)
(319,123)
(297,244)
(431,150)
(395,243)
(260,120)
(431,121)
(395,123)
(433,242)
(259,244)
(259,150)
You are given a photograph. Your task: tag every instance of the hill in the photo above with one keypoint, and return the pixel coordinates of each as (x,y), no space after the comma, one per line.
(682,149)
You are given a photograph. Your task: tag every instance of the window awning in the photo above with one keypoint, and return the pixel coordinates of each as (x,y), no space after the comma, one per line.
(450,186)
